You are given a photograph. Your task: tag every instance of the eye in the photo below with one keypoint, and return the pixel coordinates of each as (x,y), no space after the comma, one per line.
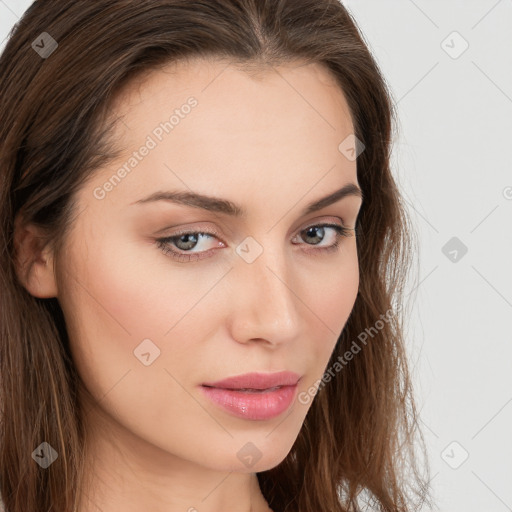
(185,242)
(316,231)
(182,246)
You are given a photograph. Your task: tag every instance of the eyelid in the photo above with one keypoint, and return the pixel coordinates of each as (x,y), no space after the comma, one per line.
(194,229)
(212,230)
(324,219)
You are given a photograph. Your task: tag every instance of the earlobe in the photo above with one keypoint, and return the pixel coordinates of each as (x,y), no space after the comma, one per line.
(34,261)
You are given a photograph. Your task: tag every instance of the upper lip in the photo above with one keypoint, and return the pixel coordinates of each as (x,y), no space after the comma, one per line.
(256,381)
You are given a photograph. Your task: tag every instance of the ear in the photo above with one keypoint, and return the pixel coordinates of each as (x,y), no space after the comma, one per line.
(34,260)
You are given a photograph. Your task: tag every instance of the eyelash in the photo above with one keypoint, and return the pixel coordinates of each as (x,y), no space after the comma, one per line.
(163,243)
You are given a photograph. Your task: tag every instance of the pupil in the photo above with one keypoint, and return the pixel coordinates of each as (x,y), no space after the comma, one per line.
(189,244)
(315,228)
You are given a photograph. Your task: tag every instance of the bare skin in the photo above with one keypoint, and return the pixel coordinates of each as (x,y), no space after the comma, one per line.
(270,145)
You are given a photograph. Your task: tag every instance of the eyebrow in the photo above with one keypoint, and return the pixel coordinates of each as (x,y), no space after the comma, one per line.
(226,207)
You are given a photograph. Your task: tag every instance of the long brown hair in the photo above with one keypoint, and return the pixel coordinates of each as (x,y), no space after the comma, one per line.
(358,440)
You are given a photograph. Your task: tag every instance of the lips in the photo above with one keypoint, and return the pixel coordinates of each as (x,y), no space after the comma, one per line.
(254,396)
(256,382)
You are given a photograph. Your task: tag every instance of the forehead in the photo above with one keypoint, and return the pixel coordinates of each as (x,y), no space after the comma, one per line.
(217,128)
(298,97)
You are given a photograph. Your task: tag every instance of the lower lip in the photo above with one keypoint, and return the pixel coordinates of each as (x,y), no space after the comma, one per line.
(253,406)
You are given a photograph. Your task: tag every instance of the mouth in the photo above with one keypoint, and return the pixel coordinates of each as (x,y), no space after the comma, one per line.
(247,390)
(254,396)
(256,382)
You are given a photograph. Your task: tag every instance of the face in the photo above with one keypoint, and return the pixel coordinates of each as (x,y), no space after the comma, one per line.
(162,296)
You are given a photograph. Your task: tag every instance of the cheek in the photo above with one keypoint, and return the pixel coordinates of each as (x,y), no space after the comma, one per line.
(116,302)
(134,292)
(332,301)
(333,293)
(117,297)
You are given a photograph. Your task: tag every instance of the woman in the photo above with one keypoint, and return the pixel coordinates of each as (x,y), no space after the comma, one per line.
(203,255)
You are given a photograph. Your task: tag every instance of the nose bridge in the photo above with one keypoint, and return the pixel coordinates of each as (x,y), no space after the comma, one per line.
(266,304)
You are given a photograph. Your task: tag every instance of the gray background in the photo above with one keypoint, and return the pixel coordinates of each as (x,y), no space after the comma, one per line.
(452,159)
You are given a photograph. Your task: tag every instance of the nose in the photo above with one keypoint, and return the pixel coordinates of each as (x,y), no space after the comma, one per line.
(265,306)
